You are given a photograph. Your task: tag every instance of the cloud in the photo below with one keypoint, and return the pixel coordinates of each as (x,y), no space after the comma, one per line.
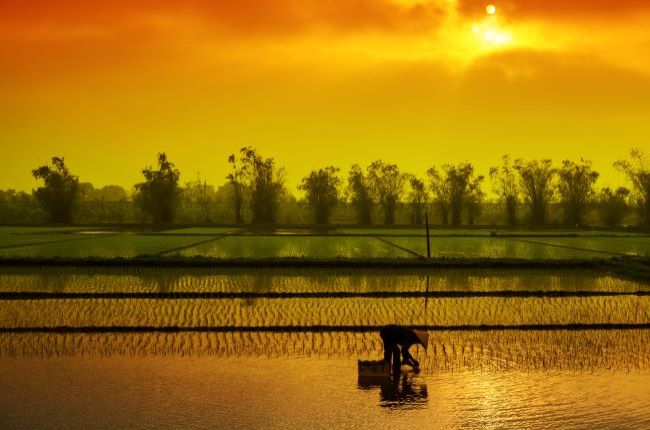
(243,17)
(564,10)
(553,82)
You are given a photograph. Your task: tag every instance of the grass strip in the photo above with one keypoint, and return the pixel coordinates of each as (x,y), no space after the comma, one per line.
(191,245)
(401,248)
(47,242)
(574,248)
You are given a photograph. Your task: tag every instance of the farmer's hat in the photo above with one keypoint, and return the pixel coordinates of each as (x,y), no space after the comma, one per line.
(423,337)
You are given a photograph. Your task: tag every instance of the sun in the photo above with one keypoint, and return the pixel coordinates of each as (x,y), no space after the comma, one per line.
(490,30)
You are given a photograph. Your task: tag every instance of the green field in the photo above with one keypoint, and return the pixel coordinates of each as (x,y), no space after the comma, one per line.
(124,246)
(218,242)
(299,246)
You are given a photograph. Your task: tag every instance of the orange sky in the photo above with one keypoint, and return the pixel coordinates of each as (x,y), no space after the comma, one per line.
(108,84)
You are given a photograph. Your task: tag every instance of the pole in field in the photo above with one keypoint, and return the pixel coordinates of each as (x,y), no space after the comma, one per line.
(426,223)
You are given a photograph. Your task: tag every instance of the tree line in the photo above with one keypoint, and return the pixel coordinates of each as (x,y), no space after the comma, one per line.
(255,191)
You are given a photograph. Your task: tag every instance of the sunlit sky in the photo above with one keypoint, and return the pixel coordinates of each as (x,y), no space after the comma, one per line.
(108,84)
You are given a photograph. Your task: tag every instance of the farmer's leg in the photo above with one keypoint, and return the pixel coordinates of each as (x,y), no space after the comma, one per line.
(388,345)
(397,362)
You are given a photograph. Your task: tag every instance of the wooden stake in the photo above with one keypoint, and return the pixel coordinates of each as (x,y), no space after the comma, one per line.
(426,223)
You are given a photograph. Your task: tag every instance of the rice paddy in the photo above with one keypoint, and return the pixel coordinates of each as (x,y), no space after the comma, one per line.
(233,243)
(201,336)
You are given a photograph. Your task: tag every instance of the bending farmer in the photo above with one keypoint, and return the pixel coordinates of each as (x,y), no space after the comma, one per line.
(397,337)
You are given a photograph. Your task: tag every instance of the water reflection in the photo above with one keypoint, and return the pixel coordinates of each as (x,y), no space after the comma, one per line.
(145,279)
(405,390)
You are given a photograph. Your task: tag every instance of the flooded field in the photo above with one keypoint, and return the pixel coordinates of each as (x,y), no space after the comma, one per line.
(395,243)
(591,379)
(151,348)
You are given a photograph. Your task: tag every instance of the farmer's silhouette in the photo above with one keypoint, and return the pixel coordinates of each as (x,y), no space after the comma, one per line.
(399,339)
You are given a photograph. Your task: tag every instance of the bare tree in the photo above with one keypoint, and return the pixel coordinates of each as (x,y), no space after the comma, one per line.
(322,192)
(418,198)
(536,181)
(576,182)
(450,187)
(197,197)
(360,195)
(387,184)
(504,183)
(638,172)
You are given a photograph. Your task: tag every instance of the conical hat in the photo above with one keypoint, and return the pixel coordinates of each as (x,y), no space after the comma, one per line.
(423,336)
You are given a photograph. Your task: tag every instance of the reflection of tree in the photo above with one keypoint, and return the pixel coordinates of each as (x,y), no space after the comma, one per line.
(401,390)
(53,284)
(166,281)
(262,282)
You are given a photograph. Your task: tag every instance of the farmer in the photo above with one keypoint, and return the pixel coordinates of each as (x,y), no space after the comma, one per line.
(397,337)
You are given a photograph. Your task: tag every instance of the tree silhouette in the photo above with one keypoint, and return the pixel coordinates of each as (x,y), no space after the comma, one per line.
(450,185)
(613,205)
(418,199)
(264,182)
(387,184)
(360,195)
(197,196)
(504,183)
(576,181)
(322,192)
(638,172)
(158,195)
(536,181)
(60,191)
(474,199)
(236,180)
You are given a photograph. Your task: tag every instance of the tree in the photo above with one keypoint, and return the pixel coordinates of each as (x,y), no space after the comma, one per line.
(536,181)
(504,182)
(322,192)
(441,193)
(360,195)
(474,199)
(158,195)
(235,179)
(197,197)
(638,172)
(387,184)
(450,185)
(19,207)
(60,191)
(418,199)
(576,182)
(264,182)
(613,205)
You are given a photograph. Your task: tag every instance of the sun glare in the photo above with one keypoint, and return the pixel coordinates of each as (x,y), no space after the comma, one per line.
(490,30)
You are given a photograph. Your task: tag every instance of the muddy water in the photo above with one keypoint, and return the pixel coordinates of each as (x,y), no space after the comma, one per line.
(204,393)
